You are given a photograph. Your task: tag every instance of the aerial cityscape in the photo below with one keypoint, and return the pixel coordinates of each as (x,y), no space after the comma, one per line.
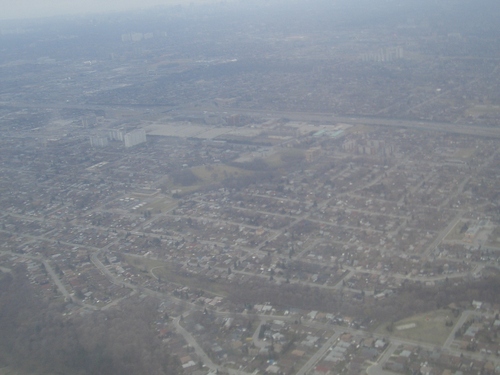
(252,188)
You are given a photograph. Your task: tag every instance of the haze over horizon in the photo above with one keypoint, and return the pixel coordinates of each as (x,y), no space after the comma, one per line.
(23,9)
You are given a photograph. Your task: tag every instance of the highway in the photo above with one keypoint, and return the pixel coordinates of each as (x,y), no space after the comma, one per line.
(326,118)
(322,117)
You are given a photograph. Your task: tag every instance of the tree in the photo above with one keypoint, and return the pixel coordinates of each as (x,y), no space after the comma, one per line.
(79,294)
(37,337)
(390,327)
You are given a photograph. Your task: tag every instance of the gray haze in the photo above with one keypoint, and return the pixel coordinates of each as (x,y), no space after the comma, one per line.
(34,8)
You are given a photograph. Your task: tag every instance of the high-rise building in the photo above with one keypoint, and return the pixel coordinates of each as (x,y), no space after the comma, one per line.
(385,54)
(115,135)
(134,138)
(98,141)
(88,121)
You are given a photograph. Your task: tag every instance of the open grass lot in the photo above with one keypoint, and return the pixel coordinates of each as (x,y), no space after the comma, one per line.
(455,234)
(285,157)
(171,187)
(465,153)
(275,161)
(429,327)
(160,204)
(169,274)
(202,176)
(483,110)
(10,371)
(217,173)
(494,238)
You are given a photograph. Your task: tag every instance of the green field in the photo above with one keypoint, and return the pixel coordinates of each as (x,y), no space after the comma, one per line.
(169,274)
(455,234)
(483,110)
(217,173)
(285,157)
(203,176)
(159,204)
(10,371)
(494,238)
(429,327)
(465,153)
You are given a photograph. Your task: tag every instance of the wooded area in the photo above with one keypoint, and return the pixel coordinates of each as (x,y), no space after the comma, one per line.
(38,338)
(409,300)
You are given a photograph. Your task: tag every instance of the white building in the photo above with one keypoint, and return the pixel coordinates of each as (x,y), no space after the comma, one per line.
(98,141)
(135,137)
(115,135)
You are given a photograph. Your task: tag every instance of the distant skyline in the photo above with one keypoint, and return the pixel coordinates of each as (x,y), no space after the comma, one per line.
(20,9)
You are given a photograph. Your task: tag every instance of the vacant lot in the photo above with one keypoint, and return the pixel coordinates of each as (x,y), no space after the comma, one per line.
(170,274)
(455,234)
(494,238)
(160,204)
(217,173)
(431,327)
(10,371)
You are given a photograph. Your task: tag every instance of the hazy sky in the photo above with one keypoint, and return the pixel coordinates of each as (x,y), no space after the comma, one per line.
(14,9)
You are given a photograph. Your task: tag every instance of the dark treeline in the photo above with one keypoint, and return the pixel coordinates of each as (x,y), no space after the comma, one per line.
(408,300)
(36,336)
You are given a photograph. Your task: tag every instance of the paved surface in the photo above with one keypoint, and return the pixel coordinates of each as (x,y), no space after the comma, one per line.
(194,344)
(462,128)
(255,338)
(50,271)
(201,353)
(463,318)
(377,368)
(319,354)
(56,280)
